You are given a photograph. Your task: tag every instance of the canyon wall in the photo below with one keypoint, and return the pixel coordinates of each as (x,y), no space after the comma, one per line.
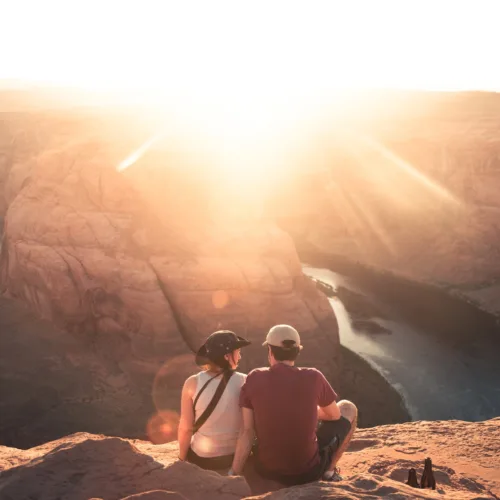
(139,265)
(138,269)
(412,189)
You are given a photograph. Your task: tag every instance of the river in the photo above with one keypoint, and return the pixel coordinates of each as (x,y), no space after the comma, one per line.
(438,379)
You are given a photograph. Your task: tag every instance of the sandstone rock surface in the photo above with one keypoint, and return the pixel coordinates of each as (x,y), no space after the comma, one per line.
(84,466)
(465,455)
(52,383)
(466,458)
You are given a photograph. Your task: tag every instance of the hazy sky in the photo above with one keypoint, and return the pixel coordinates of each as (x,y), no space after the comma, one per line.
(270,46)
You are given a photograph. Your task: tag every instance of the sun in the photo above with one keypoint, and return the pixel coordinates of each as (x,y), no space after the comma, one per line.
(249,81)
(249,137)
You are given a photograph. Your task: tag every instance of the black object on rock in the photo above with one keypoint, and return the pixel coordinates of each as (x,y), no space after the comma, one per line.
(412,478)
(428,480)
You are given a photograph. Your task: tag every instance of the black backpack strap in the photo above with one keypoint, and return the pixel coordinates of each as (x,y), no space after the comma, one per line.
(213,403)
(203,388)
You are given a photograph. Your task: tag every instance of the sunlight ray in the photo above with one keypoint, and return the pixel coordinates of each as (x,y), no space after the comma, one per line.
(138,153)
(353,213)
(429,184)
(375,226)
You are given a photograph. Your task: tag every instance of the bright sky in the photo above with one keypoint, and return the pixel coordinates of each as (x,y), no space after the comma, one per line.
(243,71)
(283,48)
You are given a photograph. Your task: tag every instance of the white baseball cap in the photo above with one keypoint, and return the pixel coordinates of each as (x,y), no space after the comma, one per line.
(278,334)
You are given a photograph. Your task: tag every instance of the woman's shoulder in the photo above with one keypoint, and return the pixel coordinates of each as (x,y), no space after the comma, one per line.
(240,377)
(191,382)
(194,377)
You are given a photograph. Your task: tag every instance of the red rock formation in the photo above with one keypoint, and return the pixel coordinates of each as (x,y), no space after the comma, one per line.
(84,466)
(465,461)
(137,268)
(84,248)
(54,383)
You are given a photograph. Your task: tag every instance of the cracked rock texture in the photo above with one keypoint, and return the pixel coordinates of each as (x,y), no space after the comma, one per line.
(83,466)
(52,383)
(138,267)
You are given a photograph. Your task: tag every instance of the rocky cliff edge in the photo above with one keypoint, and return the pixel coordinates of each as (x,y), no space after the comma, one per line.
(466,458)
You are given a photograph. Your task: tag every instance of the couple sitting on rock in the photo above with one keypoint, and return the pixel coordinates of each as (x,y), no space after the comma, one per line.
(286,416)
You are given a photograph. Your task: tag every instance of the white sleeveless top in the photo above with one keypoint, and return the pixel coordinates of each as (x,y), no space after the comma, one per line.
(218,435)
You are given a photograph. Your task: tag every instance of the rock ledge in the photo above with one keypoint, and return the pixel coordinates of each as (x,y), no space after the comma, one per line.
(83,466)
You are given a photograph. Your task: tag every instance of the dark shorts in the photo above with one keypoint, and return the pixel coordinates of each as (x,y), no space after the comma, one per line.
(211,463)
(331,434)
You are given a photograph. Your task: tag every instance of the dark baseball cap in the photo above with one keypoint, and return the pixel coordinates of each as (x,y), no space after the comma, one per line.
(218,344)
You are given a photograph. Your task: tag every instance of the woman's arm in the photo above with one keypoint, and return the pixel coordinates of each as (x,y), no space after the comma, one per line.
(186,422)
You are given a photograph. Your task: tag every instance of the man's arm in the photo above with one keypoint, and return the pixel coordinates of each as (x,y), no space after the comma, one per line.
(186,422)
(327,397)
(245,442)
(330,412)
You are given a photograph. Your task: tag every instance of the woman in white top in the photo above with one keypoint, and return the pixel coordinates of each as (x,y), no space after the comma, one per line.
(211,442)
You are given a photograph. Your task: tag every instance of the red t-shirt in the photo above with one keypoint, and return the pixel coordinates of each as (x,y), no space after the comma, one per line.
(285,402)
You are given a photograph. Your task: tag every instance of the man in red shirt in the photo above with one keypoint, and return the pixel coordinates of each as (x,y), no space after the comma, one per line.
(282,406)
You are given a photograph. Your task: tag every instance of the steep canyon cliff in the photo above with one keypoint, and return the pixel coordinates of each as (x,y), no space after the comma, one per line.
(136,268)
(411,188)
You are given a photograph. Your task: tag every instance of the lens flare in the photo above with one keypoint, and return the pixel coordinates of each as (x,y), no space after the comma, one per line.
(166,395)
(162,427)
(168,382)
(220,299)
